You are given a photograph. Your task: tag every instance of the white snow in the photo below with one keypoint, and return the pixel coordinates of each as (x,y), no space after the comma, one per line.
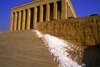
(38,33)
(56,46)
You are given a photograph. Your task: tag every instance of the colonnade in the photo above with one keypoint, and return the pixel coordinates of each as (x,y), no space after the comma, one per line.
(28,17)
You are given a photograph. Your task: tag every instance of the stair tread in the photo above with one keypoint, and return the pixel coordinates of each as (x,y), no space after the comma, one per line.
(26,45)
(18,63)
(5,64)
(35,48)
(29,51)
(23,48)
(50,58)
(31,60)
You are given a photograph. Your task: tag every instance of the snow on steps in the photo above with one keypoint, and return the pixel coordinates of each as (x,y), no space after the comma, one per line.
(66,53)
(24,49)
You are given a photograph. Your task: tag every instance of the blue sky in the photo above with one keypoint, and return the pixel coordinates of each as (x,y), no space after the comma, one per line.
(82,8)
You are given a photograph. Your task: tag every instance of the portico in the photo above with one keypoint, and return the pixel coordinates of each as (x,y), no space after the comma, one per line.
(27,15)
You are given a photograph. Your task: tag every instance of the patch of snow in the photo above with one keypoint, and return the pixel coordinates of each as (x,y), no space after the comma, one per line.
(56,46)
(38,33)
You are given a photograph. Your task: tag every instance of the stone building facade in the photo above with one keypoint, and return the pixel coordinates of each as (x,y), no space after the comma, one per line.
(26,16)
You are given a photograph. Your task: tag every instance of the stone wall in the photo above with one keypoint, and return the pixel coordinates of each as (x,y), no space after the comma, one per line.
(83,31)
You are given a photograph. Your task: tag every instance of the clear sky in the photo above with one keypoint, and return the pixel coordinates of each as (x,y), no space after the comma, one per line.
(82,8)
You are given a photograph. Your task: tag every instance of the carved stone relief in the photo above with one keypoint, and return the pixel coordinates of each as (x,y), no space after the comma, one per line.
(86,32)
(50,29)
(56,30)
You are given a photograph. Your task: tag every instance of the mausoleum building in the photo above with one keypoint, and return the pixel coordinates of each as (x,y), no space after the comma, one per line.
(27,15)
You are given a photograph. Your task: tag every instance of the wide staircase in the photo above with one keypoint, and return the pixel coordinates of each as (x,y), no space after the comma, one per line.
(24,49)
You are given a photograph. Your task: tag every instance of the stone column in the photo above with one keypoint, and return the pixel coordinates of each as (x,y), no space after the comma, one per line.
(71,14)
(28,18)
(11,21)
(19,20)
(15,23)
(41,14)
(23,21)
(55,10)
(48,12)
(64,10)
(68,11)
(35,17)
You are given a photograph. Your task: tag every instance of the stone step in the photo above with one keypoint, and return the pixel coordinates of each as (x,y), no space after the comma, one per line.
(43,57)
(79,54)
(29,40)
(79,57)
(37,52)
(22,42)
(30,60)
(18,31)
(9,34)
(22,39)
(74,54)
(17,63)
(18,36)
(76,43)
(24,49)
(21,47)
(26,45)
(70,50)
(5,64)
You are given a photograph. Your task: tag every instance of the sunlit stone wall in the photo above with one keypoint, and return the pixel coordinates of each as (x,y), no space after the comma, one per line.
(83,31)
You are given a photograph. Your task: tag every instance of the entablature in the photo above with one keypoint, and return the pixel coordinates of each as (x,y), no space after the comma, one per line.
(31,4)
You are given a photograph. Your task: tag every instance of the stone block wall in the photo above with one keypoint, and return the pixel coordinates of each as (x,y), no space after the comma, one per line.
(84,31)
